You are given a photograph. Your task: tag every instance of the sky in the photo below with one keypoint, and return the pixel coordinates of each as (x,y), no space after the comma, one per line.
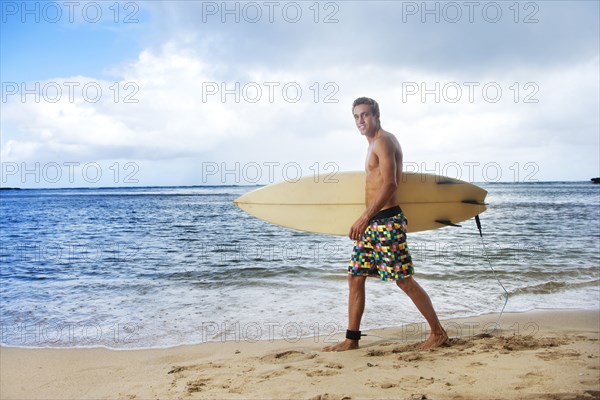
(166,93)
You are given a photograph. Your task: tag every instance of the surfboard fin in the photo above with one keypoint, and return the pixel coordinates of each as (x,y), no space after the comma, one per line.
(446,222)
(474,202)
(478,222)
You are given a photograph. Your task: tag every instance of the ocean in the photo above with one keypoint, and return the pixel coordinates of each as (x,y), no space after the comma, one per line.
(150,267)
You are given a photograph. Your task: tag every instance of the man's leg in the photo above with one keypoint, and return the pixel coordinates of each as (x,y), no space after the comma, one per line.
(418,295)
(356,307)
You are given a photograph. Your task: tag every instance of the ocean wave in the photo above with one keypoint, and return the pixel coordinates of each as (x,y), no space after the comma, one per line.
(554,287)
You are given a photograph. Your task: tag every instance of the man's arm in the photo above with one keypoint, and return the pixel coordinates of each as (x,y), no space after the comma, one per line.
(385,151)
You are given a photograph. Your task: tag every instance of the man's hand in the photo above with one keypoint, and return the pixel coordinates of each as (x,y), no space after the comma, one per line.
(358,228)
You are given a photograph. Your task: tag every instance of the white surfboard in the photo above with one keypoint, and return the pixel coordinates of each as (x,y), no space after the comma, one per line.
(331,204)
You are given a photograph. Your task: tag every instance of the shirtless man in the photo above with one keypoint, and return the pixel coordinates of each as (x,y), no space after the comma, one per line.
(380,248)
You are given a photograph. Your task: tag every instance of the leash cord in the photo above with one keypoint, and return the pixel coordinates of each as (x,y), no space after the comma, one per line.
(487,259)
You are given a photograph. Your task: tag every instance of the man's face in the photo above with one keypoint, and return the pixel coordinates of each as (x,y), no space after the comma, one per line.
(366,122)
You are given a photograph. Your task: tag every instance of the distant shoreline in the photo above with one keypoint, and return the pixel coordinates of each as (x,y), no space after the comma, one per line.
(249,186)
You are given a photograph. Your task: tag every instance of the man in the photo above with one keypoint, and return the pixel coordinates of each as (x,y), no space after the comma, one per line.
(380,249)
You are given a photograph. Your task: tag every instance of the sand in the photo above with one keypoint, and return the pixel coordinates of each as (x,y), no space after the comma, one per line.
(551,354)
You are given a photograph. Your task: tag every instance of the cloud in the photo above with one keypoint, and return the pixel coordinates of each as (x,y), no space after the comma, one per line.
(281,92)
(174,117)
(153,111)
(435,36)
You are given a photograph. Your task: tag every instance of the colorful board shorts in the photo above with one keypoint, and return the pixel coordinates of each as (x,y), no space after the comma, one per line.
(382,250)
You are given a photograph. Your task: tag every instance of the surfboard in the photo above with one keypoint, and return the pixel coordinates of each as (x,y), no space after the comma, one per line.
(330,204)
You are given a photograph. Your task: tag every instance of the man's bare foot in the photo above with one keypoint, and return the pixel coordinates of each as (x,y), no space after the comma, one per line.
(345,345)
(434,340)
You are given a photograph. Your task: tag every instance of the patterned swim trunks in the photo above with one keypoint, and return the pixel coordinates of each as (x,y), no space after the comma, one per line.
(382,250)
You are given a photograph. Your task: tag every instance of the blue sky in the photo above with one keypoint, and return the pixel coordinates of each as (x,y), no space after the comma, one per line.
(191,92)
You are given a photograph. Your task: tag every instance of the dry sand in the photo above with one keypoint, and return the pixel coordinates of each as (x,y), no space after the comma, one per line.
(537,355)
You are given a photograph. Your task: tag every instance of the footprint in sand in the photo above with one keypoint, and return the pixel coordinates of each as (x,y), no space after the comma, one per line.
(377,353)
(272,374)
(321,372)
(530,379)
(477,364)
(196,367)
(558,354)
(288,356)
(197,385)
(328,396)
(410,357)
(467,379)
(332,369)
